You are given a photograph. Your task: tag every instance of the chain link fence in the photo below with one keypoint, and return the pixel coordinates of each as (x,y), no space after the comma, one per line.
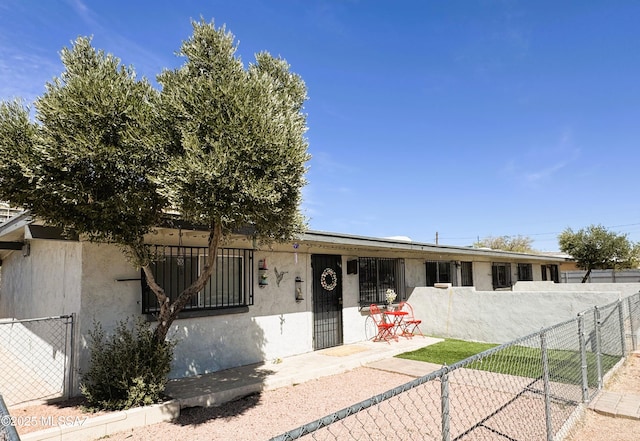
(7,430)
(36,357)
(529,389)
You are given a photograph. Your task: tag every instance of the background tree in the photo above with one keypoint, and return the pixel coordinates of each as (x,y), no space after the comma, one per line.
(519,244)
(108,154)
(595,247)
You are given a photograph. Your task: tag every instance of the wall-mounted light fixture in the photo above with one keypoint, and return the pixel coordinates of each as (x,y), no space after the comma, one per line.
(299,297)
(263,276)
(352,266)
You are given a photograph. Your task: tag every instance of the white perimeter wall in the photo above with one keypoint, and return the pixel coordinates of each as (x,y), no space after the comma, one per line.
(502,316)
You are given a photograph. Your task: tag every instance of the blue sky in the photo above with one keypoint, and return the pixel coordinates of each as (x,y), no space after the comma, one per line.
(466,118)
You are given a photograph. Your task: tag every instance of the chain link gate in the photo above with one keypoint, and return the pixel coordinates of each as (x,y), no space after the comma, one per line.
(36,356)
(529,389)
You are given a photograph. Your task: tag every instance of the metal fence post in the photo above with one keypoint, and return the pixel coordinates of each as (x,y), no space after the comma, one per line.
(444,406)
(583,359)
(634,343)
(596,313)
(547,388)
(7,429)
(623,338)
(72,346)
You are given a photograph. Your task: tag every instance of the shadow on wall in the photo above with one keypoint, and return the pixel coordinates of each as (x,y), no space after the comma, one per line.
(209,344)
(34,356)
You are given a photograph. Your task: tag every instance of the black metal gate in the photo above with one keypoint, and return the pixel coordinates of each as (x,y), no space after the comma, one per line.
(327,300)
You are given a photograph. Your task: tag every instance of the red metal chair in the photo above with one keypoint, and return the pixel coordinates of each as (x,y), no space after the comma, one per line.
(410,323)
(385,329)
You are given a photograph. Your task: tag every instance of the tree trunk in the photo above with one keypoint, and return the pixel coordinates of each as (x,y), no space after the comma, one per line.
(169,310)
(586,276)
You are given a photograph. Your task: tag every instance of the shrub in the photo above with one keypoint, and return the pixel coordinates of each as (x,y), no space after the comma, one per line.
(127,369)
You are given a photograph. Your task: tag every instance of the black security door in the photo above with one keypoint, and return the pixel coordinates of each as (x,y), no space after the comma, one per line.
(327,300)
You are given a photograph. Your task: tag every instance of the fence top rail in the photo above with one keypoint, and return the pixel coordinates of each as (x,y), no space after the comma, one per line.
(8,321)
(608,305)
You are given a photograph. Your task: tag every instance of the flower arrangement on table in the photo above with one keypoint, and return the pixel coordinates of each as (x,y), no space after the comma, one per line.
(390,295)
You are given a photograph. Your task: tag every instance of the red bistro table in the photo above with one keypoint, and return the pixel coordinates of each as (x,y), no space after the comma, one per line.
(395,317)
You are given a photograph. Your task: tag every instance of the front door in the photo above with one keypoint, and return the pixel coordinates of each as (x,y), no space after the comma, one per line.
(327,300)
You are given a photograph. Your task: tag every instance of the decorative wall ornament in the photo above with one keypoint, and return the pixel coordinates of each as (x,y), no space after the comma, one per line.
(279,276)
(330,274)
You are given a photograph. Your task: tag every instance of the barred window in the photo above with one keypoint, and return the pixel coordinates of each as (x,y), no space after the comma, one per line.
(525,271)
(376,276)
(466,270)
(176,268)
(439,272)
(550,272)
(501,275)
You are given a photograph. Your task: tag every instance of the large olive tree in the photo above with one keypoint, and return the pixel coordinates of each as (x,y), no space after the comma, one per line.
(595,247)
(108,155)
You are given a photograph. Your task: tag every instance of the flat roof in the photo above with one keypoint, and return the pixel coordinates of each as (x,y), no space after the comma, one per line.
(408,245)
(13,229)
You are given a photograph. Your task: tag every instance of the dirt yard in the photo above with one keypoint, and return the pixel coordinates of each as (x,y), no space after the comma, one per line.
(596,427)
(260,417)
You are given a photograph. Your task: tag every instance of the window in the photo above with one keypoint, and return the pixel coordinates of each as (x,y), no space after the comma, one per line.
(525,272)
(501,275)
(439,272)
(376,275)
(176,268)
(550,272)
(466,272)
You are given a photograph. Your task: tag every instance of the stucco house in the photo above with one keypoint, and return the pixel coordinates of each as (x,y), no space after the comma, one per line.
(263,302)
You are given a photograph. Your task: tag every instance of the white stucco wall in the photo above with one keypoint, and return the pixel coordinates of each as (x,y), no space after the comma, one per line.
(482,278)
(42,284)
(276,325)
(499,316)
(626,289)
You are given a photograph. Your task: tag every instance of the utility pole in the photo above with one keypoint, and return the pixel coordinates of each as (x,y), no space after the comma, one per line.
(436,238)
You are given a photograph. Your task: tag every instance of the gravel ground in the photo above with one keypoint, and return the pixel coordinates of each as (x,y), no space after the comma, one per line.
(598,427)
(260,417)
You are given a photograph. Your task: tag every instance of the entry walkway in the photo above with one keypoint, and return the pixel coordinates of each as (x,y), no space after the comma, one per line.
(617,404)
(223,386)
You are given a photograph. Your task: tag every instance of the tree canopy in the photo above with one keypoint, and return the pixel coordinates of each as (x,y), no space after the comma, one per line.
(595,247)
(108,155)
(86,164)
(518,244)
